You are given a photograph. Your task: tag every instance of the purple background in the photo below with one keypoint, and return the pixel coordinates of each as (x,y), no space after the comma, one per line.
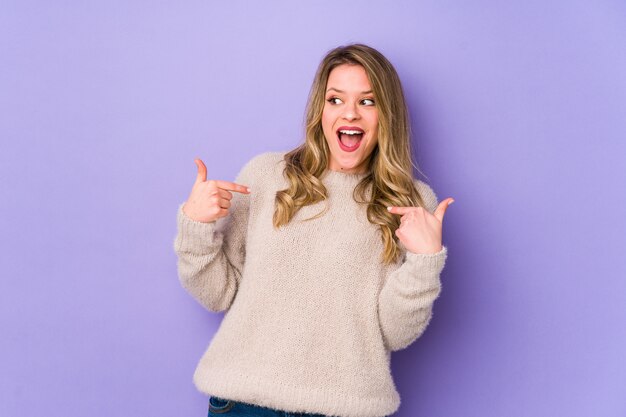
(519,113)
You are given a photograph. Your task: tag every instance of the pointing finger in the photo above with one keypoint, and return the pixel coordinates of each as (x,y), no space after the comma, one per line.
(400,210)
(442,207)
(231,186)
(201,170)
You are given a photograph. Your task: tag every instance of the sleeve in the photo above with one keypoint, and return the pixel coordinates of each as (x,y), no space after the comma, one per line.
(406,300)
(211,255)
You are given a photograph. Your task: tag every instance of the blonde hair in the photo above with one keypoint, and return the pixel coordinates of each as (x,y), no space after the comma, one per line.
(390,165)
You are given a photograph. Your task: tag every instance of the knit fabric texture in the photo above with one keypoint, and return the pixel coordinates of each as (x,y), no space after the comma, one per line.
(311,312)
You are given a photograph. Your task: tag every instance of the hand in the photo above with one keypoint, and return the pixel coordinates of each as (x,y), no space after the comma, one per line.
(420,231)
(210,200)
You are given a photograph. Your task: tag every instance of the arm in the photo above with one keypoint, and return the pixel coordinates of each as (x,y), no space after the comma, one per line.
(406,299)
(211,255)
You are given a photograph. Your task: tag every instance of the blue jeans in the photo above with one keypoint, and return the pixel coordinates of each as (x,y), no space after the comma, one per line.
(229,408)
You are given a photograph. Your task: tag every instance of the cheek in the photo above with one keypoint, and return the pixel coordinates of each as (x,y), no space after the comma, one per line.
(327,124)
(374,120)
(375,135)
(324,120)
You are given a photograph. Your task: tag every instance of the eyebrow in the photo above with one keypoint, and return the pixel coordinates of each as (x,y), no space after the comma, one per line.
(341,91)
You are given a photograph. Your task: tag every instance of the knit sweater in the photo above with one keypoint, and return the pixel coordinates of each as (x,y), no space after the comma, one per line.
(312,313)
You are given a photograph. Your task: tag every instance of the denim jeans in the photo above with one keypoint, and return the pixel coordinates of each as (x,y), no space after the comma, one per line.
(229,408)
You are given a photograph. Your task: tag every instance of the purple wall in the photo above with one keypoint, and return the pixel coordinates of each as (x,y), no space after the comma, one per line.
(519,113)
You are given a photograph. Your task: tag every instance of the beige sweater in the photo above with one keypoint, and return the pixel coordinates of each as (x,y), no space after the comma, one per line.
(312,313)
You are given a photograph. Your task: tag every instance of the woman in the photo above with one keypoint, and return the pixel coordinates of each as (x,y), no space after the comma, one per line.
(327,263)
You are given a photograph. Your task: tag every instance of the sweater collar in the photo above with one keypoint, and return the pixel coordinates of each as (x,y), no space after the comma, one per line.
(341,178)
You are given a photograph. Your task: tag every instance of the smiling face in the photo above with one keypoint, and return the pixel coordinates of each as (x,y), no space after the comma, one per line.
(349,119)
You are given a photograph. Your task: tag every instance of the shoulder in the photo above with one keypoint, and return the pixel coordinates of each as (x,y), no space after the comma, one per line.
(260,166)
(427,194)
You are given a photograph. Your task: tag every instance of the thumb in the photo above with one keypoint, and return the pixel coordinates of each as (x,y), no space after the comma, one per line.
(201,170)
(442,207)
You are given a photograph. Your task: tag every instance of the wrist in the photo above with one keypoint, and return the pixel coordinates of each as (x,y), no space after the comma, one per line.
(427,251)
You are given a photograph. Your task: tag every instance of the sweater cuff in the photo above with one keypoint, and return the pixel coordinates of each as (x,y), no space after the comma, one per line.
(194,236)
(428,263)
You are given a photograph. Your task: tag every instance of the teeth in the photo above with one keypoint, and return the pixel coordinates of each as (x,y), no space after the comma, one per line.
(351,132)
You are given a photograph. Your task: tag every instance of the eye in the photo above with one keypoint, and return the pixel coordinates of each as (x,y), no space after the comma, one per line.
(368,101)
(334,100)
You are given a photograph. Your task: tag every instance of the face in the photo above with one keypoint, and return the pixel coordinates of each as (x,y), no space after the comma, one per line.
(350,119)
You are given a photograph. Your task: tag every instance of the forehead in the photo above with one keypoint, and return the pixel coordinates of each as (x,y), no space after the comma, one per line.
(349,78)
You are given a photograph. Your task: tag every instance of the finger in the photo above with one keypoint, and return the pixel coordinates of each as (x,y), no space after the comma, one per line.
(442,207)
(231,186)
(201,170)
(400,210)
(222,213)
(225,194)
(221,193)
(224,203)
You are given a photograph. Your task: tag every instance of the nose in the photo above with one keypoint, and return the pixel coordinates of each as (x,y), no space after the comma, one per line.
(351,112)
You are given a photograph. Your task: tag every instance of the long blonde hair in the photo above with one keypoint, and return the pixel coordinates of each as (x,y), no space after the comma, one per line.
(391,161)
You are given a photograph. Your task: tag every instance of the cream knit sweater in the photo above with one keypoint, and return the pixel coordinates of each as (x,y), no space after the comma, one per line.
(312,313)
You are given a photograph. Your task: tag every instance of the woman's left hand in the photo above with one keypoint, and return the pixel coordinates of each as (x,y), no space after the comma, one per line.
(420,231)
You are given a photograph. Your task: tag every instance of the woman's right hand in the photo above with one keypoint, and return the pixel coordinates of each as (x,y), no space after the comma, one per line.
(210,200)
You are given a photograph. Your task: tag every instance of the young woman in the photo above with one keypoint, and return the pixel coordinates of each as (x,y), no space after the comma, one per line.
(326,258)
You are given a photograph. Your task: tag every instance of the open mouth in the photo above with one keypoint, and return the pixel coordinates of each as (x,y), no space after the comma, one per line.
(350,138)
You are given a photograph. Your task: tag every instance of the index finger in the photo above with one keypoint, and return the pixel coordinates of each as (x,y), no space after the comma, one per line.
(232,186)
(400,210)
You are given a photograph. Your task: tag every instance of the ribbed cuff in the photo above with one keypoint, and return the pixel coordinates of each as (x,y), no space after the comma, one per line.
(194,236)
(428,263)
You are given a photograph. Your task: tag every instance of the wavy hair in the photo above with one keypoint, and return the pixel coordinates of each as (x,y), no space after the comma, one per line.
(389,175)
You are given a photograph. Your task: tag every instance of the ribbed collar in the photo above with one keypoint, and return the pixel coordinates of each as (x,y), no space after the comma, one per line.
(337,178)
